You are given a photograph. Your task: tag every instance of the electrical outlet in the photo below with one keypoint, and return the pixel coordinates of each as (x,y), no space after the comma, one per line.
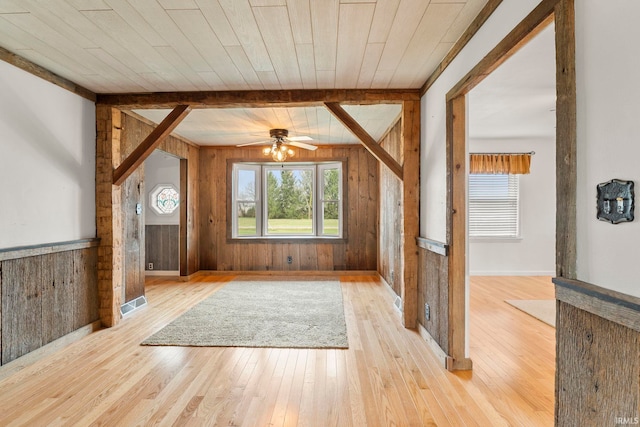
(427,312)
(289,259)
(150,266)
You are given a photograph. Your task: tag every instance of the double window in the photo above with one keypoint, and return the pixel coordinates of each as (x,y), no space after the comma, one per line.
(494,205)
(287,200)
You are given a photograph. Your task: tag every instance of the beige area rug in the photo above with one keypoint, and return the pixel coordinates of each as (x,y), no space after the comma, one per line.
(541,309)
(286,314)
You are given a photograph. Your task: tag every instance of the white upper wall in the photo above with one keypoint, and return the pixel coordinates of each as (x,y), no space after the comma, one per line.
(607,64)
(433,170)
(607,131)
(47,161)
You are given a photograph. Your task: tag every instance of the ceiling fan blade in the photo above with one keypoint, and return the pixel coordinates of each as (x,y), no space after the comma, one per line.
(300,138)
(255,143)
(302,145)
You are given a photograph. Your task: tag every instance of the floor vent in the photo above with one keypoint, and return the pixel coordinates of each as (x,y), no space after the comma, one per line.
(398,303)
(133,305)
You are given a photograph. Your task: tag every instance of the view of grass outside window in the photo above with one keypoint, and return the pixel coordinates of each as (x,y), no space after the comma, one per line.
(293,200)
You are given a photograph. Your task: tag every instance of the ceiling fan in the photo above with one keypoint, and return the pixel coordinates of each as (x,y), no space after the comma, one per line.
(280,144)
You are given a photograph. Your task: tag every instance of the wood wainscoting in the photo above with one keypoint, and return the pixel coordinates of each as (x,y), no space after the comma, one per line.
(48,291)
(598,375)
(162,247)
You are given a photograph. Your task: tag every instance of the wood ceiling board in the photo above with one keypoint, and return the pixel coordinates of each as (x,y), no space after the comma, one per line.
(324,22)
(90,4)
(353,32)
(435,22)
(177,4)
(134,15)
(269,80)
(113,67)
(468,13)
(405,24)
(262,3)
(242,21)
(383,20)
(300,17)
(307,65)
(432,63)
(242,63)
(279,42)
(192,80)
(372,55)
(197,30)
(218,21)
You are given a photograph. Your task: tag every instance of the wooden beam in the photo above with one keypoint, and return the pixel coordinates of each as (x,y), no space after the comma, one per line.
(566,140)
(35,69)
(257,98)
(150,143)
(410,210)
(369,143)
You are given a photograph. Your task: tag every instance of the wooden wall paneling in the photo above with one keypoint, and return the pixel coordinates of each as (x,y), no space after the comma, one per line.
(184,218)
(410,209)
(85,287)
(162,246)
(597,375)
(350,253)
(433,290)
(193,217)
(209,179)
(134,267)
(21,307)
(390,215)
(57,295)
(108,214)
(132,194)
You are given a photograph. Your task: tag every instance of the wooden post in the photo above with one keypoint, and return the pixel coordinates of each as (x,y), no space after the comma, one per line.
(109,215)
(411,210)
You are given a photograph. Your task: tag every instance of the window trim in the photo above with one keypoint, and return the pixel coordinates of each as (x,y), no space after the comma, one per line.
(280,238)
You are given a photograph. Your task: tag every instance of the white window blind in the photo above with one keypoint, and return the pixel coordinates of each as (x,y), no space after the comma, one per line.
(493,205)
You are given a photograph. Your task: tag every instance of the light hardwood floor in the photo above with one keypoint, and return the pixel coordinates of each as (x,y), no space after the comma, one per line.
(388,376)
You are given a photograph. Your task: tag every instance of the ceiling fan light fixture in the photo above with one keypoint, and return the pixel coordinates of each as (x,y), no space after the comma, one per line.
(278,151)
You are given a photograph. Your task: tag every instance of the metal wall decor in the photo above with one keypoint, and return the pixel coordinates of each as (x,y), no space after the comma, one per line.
(615,201)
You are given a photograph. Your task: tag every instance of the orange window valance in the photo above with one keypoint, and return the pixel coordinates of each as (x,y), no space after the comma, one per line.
(500,163)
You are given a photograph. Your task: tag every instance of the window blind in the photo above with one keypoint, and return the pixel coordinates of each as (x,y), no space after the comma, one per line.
(494,205)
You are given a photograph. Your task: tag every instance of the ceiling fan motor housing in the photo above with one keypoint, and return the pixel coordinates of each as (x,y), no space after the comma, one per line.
(279,133)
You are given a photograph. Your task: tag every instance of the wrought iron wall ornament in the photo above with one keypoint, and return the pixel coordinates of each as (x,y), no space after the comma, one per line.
(615,202)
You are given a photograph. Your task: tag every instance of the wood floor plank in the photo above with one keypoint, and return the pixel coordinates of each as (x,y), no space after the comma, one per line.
(388,376)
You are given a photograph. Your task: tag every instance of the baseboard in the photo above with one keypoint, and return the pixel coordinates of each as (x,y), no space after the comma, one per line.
(29,359)
(434,346)
(171,273)
(297,273)
(512,273)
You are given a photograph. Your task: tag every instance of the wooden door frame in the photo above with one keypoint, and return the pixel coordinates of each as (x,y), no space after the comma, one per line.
(563,13)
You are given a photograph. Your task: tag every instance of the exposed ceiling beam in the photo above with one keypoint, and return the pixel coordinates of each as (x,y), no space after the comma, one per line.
(257,98)
(150,143)
(367,140)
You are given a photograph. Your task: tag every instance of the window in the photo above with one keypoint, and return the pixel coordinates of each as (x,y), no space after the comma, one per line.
(291,200)
(494,206)
(164,199)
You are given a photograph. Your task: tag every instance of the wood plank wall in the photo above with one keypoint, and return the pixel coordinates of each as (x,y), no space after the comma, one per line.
(45,297)
(391,211)
(357,252)
(136,129)
(162,247)
(598,375)
(433,279)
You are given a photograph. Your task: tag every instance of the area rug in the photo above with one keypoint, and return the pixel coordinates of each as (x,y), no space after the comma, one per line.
(284,314)
(541,309)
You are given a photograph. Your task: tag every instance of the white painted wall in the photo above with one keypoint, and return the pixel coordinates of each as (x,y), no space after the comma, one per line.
(534,253)
(161,168)
(433,137)
(47,161)
(607,64)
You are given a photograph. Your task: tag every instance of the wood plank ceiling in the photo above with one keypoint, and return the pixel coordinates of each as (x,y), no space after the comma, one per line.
(126,46)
